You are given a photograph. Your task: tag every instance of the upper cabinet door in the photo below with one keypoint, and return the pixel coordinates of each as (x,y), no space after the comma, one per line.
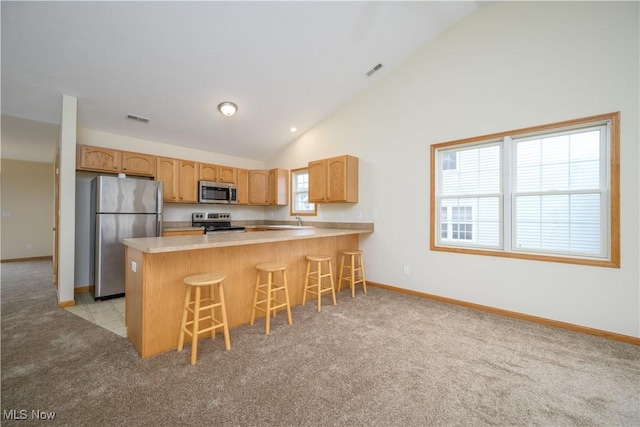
(188,181)
(167,172)
(258,187)
(208,172)
(227,174)
(317,181)
(138,164)
(337,179)
(97,159)
(278,187)
(242,177)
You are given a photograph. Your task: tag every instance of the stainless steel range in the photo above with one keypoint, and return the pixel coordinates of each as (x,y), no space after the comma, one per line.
(214,222)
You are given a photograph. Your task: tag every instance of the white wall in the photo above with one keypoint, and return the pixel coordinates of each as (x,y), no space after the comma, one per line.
(507,66)
(27,203)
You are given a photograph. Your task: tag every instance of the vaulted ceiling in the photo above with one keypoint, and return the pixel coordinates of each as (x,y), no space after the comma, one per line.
(285,64)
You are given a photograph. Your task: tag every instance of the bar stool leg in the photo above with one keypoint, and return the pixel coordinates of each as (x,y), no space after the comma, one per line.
(269,296)
(286,297)
(333,288)
(255,300)
(185,313)
(196,326)
(306,283)
(341,274)
(318,285)
(223,310)
(364,281)
(353,276)
(212,311)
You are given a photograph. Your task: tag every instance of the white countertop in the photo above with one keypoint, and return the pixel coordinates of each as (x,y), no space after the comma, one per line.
(218,240)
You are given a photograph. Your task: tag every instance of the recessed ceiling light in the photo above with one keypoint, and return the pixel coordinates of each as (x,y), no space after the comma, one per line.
(228,108)
(293,129)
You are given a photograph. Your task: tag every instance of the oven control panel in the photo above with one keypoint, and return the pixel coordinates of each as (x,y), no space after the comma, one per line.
(210,216)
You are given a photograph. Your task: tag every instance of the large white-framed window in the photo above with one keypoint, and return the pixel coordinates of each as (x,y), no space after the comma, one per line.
(300,204)
(549,192)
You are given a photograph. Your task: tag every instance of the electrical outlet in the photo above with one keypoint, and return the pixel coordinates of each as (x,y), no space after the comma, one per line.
(134,267)
(341,215)
(405,270)
(359,214)
(374,215)
(29,247)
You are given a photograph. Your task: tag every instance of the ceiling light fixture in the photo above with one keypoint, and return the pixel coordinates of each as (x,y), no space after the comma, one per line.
(293,129)
(228,108)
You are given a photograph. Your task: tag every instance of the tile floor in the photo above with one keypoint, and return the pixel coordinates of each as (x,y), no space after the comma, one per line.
(108,314)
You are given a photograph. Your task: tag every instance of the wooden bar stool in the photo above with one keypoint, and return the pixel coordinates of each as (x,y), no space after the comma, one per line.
(317,275)
(195,306)
(355,271)
(268,291)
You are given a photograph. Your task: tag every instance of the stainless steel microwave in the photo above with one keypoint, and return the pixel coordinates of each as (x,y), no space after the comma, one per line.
(217,192)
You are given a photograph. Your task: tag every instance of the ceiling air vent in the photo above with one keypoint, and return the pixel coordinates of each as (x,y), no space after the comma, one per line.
(373,70)
(137,118)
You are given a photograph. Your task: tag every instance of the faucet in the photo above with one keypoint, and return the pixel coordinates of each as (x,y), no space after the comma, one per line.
(299,221)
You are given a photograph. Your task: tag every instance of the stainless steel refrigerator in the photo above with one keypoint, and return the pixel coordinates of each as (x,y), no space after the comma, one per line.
(121,208)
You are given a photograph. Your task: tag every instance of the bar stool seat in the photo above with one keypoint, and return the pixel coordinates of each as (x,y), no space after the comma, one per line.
(355,271)
(317,288)
(195,307)
(269,302)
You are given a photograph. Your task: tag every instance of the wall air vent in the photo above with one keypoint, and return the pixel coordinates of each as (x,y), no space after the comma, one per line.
(373,70)
(137,118)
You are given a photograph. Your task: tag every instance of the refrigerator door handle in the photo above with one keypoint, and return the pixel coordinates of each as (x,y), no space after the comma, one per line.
(98,251)
(159,199)
(159,225)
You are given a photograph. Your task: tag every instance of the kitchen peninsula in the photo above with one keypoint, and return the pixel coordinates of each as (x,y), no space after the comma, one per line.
(155,267)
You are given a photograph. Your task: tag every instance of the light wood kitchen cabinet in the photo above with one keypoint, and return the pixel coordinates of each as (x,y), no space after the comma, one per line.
(269,187)
(278,187)
(242,185)
(334,180)
(138,164)
(179,178)
(217,173)
(97,159)
(114,161)
(258,187)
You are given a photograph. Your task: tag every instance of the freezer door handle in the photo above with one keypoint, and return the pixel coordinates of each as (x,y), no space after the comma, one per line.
(159,197)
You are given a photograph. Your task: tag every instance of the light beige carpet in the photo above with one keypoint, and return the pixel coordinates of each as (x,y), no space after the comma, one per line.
(384,359)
